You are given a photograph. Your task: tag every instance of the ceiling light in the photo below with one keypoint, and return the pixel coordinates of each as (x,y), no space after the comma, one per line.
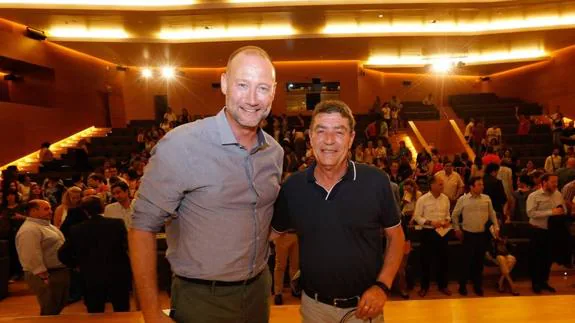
(442,66)
(146,73)
(92,33)
(443,62)
(492,26)
(216,33)
(168,72)
(101,3)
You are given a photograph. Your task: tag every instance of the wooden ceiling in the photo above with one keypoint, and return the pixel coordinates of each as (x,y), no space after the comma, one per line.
(143,48)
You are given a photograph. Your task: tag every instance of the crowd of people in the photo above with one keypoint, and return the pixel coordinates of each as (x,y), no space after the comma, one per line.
(80,250)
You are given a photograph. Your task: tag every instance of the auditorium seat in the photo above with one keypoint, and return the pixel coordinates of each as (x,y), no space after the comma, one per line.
(501,112)
(416,110)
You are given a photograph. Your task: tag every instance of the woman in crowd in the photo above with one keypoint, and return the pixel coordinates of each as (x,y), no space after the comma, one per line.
(411,194)
(12,215)
(71,199)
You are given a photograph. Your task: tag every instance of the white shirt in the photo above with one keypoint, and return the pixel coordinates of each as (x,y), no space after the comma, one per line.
(506,176)
(386,113)
(37,243)
(493,133)
(552,163)
(539,206)
(452,184)
(117,211)
(468,129)
(170,116)
(430,208)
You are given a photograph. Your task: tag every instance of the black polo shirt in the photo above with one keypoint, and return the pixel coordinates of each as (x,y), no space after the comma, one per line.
(339,232)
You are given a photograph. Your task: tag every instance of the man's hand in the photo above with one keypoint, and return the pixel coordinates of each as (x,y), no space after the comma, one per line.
(459,235)
(436,224)
(557,211)
(44,277)
(371,303)
(446,224)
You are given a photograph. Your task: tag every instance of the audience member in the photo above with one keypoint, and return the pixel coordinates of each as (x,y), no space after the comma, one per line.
(71,199)
(37,243)
(432,213)
(122,208)
(519,201)
(476,210)
(45,155)
(453,186)
(541,205)
(553,162)
(99,248)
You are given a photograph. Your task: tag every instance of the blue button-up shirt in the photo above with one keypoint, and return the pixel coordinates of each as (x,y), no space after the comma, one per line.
(216,196)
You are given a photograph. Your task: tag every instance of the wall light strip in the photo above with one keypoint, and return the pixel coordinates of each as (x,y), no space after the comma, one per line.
(233,32)
(134,3)
(450,27)
(93,33)
(474,59)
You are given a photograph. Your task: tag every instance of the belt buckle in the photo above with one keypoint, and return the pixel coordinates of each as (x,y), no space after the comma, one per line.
(335,300)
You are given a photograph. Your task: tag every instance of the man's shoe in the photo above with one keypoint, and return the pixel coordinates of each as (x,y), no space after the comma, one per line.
(548,288)
(423,292)
(462,291)
(278,299)
(536,289)
(445,291)
(478,291)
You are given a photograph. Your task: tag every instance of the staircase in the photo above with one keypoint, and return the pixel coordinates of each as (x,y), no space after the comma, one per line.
(416,110)
(30,162)
(501,111)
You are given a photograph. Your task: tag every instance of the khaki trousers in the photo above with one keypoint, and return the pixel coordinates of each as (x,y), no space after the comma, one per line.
(51,296)
(286,247)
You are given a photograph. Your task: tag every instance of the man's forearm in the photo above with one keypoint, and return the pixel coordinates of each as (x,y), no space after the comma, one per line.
(393,255)
(143,257)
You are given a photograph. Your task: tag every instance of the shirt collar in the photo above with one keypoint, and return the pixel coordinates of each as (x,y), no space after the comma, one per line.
(227,136)
(351,173)
(39,221)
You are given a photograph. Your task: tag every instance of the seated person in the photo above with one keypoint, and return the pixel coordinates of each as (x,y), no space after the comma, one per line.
(505,260)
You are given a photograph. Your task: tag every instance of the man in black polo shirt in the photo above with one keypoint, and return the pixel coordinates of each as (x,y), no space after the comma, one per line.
(338,209)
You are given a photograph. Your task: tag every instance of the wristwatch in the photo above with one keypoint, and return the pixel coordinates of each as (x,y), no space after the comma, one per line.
(383,287)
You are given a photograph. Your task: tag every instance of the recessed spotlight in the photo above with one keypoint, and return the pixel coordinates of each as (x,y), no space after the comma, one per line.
(168,72)
(380,16)
(147,73)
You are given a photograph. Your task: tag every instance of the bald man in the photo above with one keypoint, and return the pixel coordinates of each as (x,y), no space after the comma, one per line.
(215,182)
(37,243)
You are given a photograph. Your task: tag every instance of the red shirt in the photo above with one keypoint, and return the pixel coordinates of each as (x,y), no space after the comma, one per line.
(371,130)
(524,126)
(491,158)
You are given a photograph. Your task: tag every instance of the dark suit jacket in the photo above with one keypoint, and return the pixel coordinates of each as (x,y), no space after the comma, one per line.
(75,216)
(99,247)
(493,187)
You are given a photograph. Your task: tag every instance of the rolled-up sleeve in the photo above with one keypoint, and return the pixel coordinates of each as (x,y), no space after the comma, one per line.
(163,184)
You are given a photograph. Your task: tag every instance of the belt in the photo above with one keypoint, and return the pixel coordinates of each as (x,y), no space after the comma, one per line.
(215,283)
(333,301)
